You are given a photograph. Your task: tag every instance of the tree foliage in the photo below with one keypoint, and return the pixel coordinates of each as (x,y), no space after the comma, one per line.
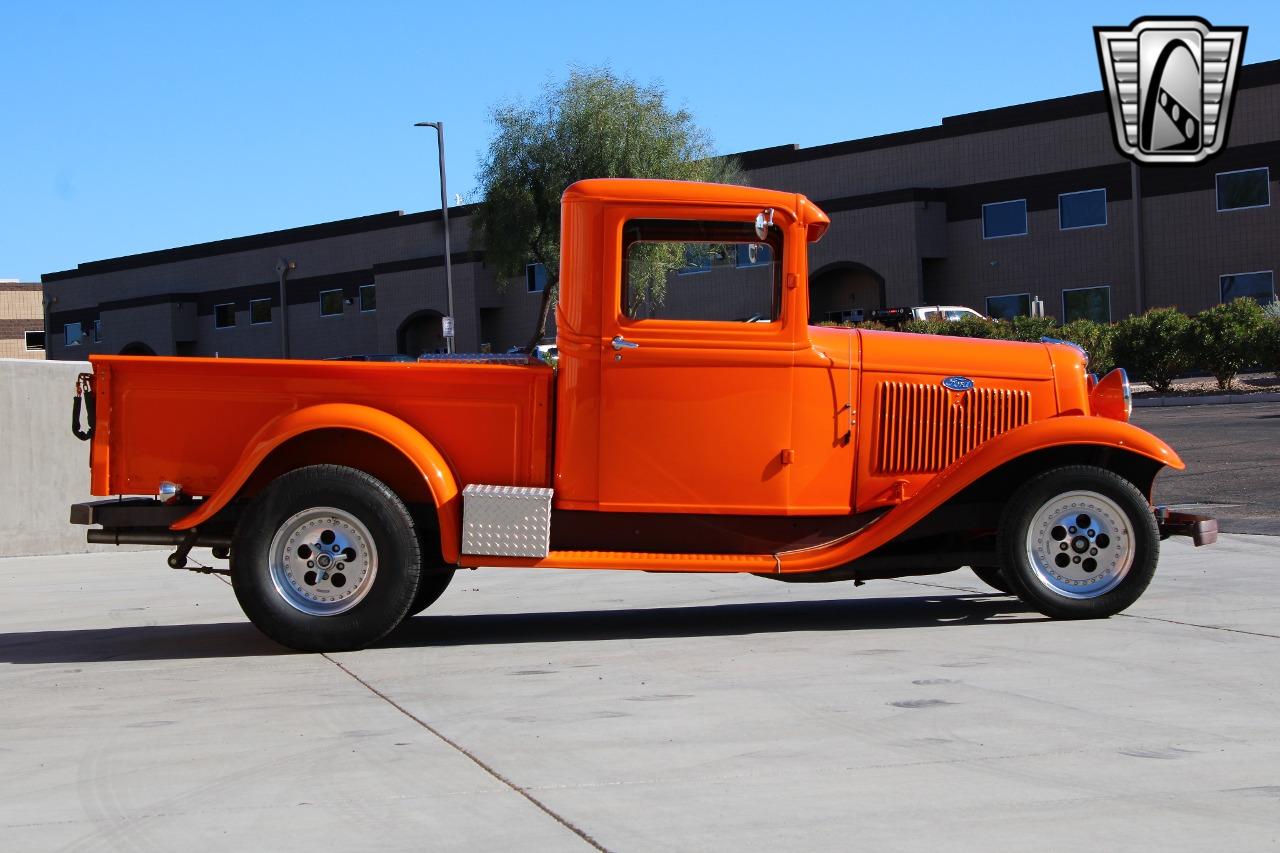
(593,124)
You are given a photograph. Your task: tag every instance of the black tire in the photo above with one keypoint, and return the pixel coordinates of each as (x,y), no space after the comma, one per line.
(389,571)
(434,581)
(993,576)
(436,573)
(1094,564)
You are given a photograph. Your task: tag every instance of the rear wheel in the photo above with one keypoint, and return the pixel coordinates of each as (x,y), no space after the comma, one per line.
(326,559)
(1079,542)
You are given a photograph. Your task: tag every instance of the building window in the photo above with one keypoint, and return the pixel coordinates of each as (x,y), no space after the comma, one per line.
(368,298)
(535,278)
(224,315)
(1004,219)
(1085,209)
(97,331)
(259,312)
(1260,286)
(34,340)
(330,303)
(1008,306)
(72,334)
(1087,303)
(1244,189)
(754,255)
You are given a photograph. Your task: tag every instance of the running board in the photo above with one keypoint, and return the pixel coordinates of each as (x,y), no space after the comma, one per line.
(650,562)
(760,564)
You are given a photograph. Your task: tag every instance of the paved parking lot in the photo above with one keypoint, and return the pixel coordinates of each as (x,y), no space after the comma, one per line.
(1233,462)
(563,710)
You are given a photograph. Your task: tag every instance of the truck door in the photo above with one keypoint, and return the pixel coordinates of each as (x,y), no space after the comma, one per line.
(696,370)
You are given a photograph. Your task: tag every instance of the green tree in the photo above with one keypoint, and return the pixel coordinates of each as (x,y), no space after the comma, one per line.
(1153,346)
(593,124)
(1227,338)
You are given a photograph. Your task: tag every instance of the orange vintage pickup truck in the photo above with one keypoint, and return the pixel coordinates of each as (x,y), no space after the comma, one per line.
(346,494)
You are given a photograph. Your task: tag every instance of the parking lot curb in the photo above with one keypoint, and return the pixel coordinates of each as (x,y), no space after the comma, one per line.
(1208,400)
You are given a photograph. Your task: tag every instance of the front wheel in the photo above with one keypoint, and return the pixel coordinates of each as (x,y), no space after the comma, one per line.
(1079,542)
(993,576)
(326,559)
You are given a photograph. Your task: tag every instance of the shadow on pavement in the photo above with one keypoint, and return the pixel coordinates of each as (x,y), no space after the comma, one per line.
(240,639)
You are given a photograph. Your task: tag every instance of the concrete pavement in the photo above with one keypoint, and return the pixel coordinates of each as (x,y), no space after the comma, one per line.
(570,710)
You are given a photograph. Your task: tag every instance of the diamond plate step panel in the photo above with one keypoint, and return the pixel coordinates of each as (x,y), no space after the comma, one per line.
(506,521)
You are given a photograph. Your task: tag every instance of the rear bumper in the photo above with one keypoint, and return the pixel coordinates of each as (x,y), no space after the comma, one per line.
(143,521)
(1202,529)
(129,512)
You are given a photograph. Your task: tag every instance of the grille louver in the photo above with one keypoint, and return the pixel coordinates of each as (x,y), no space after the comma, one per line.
(922,430)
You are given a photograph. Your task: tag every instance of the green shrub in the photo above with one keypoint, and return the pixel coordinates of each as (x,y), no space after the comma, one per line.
(1153,346)
(1269,345)
(875,326)
(974,327)
(925,327)
(1227,338)
(1032,329)
(1096,338)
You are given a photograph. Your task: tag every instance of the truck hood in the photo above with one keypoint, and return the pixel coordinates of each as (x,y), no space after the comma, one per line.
(903,352)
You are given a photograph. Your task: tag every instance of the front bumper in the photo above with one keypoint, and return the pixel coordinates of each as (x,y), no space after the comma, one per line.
(1202,529)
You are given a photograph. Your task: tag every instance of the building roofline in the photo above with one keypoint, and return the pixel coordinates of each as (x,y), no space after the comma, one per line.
(24,286)
(998,118)
(266,240)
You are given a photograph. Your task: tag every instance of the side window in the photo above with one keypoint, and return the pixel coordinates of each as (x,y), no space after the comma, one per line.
(692,270)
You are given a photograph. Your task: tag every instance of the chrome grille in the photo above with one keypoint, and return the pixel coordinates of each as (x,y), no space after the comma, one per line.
(926,427)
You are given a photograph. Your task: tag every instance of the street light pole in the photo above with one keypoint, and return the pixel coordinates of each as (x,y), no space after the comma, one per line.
(444,215)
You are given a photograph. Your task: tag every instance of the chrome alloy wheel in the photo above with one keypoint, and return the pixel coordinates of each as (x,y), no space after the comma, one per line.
(1080,544)
(323,561)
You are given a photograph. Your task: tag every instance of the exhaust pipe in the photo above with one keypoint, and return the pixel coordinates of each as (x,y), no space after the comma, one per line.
(174,538)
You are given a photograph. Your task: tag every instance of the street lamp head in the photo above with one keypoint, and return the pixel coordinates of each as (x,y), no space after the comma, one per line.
(434,124)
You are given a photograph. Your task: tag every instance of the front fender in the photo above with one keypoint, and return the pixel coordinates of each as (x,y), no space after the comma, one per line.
(1078,430)
(414,445)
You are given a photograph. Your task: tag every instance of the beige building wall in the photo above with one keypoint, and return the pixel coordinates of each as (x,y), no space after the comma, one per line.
(21,311)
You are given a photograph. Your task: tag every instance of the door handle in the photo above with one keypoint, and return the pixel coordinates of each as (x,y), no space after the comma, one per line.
(620,343)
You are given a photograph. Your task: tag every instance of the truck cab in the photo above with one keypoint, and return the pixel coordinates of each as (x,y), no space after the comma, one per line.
(666,438)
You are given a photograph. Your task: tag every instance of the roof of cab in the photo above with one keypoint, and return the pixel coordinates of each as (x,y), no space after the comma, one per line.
(646,189)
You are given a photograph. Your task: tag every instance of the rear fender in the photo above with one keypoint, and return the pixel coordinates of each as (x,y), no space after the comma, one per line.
(424,456)
(1075,430)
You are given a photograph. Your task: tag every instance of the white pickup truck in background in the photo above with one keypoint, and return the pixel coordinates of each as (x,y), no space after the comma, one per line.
(894,316)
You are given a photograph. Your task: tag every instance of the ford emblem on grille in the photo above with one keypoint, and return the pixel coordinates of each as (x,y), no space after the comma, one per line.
(957,383)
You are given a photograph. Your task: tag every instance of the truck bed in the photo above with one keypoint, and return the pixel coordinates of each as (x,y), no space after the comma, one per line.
(189,420)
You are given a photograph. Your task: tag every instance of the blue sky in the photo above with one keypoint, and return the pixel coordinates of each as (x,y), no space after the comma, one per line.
(126,127)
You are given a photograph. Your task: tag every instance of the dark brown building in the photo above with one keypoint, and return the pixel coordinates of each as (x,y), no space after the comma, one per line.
(988,210)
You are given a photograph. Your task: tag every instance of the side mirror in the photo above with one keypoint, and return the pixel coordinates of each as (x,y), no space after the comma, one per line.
(764,221)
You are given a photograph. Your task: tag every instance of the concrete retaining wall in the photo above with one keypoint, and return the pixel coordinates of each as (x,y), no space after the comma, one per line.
(43,467)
